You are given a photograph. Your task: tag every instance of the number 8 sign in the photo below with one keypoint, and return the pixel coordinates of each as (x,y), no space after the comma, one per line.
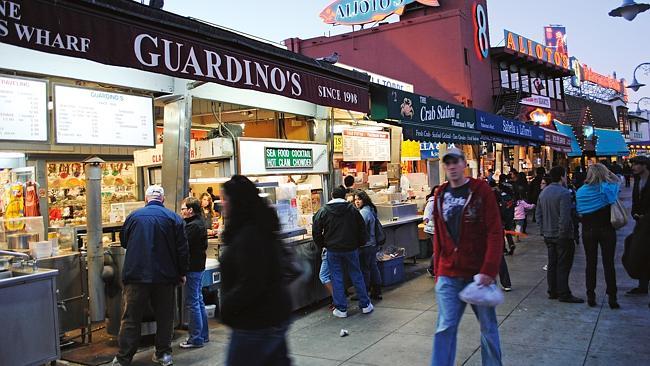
(480,23)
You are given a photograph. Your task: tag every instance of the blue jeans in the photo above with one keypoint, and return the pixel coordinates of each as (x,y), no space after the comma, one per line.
(349,260)
(324,273)
(198,318)
(259,347)
(450,311)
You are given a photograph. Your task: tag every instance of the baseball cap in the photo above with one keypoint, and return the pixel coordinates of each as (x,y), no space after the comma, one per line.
(641,160)
(155,192)
(453,152)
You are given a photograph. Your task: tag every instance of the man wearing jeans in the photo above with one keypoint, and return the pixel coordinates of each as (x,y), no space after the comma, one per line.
(197,239)
(468,242)
(555,220)
(340,228)
(155,263)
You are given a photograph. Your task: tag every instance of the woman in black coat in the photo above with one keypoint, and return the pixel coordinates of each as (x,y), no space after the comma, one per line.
(255,300)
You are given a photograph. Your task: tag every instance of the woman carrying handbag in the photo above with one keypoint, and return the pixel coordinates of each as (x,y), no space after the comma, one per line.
(596,203)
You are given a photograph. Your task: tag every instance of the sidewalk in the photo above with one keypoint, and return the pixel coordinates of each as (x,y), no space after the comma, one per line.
(534,330)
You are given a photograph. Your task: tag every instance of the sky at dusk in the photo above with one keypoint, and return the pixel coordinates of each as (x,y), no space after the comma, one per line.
(604,43)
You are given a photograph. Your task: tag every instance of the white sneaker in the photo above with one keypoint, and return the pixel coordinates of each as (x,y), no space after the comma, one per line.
(545,267)
(368,309)
(115,362)
(340,314)
(506,289)
(165,360)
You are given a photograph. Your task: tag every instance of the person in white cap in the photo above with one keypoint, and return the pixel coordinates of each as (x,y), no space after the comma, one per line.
(468,244)
(156,261)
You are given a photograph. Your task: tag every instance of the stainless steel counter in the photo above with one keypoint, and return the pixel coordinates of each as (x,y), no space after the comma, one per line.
(403,233)
(401,221)
(29,320)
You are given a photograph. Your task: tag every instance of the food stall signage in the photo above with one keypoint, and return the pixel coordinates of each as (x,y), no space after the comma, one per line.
(556,138)
(95,117)
(359,145)
(502,126)
(528,47)
(355,12)
(56,28)
(23,108)
(338,143)
(409,107)
(288,158)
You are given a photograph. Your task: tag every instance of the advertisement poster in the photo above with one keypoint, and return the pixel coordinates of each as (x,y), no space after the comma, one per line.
(555,36)
(361,145)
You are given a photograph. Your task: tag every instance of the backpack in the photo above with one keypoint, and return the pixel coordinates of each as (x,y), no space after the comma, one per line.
(507,207)
(380,234)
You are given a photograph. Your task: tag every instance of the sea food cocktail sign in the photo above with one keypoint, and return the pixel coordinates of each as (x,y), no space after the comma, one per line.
(354,12)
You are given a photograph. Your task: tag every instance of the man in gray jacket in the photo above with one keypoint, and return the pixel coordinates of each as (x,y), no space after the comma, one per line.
(554,216)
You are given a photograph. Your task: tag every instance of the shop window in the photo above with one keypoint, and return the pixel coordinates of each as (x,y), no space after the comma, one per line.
(505,79)
(551,88)
(558,88)
(525,83)
(514,80)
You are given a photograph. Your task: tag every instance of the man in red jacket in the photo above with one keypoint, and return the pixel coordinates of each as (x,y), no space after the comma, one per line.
(468,242)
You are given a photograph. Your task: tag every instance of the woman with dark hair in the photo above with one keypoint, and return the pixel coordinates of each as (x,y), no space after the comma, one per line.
(207,211)
(368,252)
(255,300)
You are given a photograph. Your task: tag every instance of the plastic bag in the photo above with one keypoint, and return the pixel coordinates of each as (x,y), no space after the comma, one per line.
(476,294)
(391,252)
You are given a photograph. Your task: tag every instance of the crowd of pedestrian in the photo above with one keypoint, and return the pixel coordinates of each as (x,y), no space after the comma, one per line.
(471,222)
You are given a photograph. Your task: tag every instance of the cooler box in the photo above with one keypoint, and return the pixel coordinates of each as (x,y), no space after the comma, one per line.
(392,271)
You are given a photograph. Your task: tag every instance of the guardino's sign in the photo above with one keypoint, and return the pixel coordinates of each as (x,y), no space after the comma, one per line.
(355,12)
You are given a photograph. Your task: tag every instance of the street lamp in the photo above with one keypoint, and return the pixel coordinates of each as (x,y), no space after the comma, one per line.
(638,104)
(629,10)
(635,83)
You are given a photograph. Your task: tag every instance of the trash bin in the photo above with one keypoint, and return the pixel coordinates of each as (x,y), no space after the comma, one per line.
(392,271)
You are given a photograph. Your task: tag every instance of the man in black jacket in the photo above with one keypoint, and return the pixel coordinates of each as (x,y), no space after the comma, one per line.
(340,228)
(640,206)
(197,239)
(156,262)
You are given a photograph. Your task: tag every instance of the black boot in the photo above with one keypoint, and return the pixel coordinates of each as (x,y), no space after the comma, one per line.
(375,292)
(613,304)
(591,298)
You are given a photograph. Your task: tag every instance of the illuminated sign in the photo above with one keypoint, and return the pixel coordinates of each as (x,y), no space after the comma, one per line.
(540,117)
(584,73)
(555,36)
(531,48)
(481,31)
(355,12)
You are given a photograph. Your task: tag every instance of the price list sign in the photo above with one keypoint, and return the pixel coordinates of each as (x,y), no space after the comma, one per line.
(23,109)
(359,145)
(94,117)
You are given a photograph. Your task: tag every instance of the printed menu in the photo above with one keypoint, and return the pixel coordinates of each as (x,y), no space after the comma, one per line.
(360,145)
(94,117)
(23,109)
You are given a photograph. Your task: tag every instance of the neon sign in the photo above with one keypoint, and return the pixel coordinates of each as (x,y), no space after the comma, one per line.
(531,48)
(481,31)
(356,12)
(540,117)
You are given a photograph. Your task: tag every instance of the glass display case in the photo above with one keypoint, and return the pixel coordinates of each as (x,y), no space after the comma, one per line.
(67,191)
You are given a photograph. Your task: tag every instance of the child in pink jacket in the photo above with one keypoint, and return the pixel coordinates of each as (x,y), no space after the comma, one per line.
(520,214)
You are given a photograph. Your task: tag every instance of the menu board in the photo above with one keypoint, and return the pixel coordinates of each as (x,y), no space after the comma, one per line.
(94,117)
(23,109)
(360,145)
